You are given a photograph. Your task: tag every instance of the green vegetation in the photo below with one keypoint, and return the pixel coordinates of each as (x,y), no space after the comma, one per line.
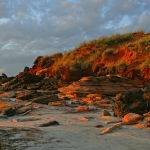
(112,40)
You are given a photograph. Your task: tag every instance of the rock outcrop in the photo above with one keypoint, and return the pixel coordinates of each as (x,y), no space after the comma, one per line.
(105,85)
(131,118)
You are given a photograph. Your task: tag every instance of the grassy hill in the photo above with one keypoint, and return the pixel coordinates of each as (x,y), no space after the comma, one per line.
(125,55)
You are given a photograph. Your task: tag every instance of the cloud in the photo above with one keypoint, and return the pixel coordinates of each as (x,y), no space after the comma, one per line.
(38,27)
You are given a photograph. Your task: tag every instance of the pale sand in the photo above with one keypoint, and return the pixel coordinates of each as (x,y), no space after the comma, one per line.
(76,132)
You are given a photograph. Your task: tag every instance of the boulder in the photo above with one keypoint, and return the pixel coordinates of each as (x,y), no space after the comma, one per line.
(147,114)
(147,123)
(131,118)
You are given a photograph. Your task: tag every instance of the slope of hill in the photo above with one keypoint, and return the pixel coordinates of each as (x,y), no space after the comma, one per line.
(125,55)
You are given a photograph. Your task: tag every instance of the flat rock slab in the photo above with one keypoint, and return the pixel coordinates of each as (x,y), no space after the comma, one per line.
(101,85)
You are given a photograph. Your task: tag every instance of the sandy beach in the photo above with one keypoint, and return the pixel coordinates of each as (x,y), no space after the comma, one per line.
(76,131)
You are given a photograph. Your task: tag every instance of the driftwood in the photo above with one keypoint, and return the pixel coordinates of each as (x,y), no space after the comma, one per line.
(128,119)
(27,112)
(110,129)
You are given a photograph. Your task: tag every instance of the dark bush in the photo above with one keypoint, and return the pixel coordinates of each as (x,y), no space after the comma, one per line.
(130,102)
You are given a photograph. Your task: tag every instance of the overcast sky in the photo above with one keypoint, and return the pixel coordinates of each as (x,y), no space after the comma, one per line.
(29,28)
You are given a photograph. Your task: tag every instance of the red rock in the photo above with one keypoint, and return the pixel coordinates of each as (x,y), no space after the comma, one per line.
(146,114)
(139,126)
(81,108)
(106,113)
(131,118)
(147,122)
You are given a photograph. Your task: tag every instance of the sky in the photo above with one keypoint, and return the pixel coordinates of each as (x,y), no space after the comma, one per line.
(30,28)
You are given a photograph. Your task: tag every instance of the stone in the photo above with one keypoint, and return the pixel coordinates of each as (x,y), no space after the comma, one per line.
(14,120)
(83,119)
(106,113)
(105,104)
(57,103)
(26,94)
(3,106)
(147,114)
(72,103)
(139,126)
(81,108)
(24,109)
(92,108)
(147,123)
(3,116)
(9,112)
(46,99)
(50,123)
(131,118)
(99,126)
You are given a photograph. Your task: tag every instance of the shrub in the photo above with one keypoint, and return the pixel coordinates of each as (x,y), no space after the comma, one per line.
(37,60)
(26,69)
(146,64)
(145,42)
(130,102)
(122,65)
(118,39)
(108,53)
(104,42)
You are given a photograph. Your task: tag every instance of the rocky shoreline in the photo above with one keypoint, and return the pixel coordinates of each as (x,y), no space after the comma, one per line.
(40,119)
(40,130)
